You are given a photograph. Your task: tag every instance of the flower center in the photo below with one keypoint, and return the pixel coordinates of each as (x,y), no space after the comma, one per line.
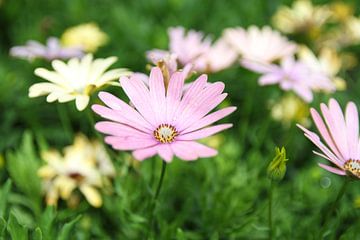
(165,133)
(76,176)
(353,167)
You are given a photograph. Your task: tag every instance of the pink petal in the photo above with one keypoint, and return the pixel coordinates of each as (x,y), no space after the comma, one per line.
(332,169)
(324,132)
(125,110)
(120,130)
(174,93)
(202,150)
(143,153)
(209,119)
(129,143)
(139,95)
(194,101)
(269,78)
(157,94)
(352,127)
(205,132)
(337,134)
(314,138)
(183,151)
(165,152)
(118,116)
(197,113)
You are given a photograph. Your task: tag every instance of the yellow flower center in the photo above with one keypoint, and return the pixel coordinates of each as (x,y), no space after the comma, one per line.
(353,167)
(165,133)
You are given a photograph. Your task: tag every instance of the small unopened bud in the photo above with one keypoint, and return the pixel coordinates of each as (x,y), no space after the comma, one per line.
(165,71)
(277,167)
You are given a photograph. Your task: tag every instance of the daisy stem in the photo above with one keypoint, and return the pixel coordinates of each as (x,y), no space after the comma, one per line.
(154,200)
(333,207)
(270,209)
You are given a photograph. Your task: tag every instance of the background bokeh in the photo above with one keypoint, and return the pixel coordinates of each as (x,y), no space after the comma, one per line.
(219,198)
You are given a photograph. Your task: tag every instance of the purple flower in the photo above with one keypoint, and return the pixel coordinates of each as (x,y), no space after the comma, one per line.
(52,50)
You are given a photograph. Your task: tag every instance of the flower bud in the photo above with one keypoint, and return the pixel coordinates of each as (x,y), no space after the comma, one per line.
(277,167)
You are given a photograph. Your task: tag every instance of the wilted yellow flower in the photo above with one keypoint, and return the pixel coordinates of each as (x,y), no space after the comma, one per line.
(329,62)
(277,167)
(290,109)
(84,166)
(76,80)
(301,17)
(341,11)
(88,36)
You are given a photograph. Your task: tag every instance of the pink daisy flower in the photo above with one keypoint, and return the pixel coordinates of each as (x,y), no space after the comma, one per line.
(166,122)
(341,136)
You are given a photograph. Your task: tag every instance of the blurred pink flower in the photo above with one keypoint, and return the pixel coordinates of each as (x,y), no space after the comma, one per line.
(187,46)
(261,45)
(166,122)
(220,56)
(192,52)
(341,136)
(52,50)
(292,75)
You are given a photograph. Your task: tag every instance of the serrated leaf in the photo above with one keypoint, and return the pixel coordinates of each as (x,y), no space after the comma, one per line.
(38,234)
(65,231)
(4,193)
(15,230)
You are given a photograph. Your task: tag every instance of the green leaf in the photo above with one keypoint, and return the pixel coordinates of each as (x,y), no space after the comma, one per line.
(4,192)
(22,166)
(46,222)
(2,227)
(65,231)
(16,231)
(38,234)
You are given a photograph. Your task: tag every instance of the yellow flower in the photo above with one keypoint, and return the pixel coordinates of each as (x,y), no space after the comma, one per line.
(352,26)
(84,166)
(76,80)
(302,17)
(341,11)
(328,62)
(88,36)
(290,109)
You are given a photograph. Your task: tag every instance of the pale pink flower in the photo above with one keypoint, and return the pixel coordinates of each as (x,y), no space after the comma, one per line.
(341,136)
(166,122)
(52,50)
(292,75)
(220,56)
(187,46)
(262,45)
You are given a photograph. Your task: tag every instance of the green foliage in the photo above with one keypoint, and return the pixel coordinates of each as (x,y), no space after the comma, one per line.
(224,197)
(22,166)
(16,231)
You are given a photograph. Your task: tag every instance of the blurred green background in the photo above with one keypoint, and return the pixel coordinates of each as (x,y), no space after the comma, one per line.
(220,198)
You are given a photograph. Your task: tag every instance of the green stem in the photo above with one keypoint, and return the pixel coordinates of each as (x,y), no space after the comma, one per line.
(154,200)
(65,121)
(270,209)
(333,207)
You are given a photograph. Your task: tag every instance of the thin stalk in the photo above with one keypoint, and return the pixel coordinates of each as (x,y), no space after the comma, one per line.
(154,200)
(270,209)
(65,121)
(333,207)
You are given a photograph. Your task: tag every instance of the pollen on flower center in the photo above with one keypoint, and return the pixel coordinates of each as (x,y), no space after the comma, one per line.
(353,167)
(165,133)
